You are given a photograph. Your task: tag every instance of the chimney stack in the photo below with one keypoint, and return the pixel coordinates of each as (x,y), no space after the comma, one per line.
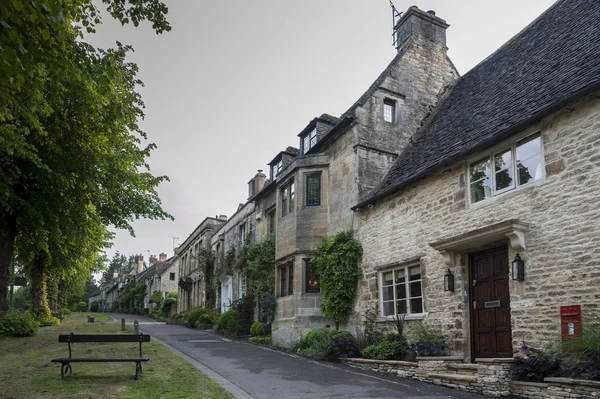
(153,259)
(162,257)
(418,22)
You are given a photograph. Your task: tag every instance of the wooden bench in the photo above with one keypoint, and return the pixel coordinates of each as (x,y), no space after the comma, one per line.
(101,338)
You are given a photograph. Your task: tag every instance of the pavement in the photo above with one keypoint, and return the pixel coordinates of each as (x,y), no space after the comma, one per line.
(251,371)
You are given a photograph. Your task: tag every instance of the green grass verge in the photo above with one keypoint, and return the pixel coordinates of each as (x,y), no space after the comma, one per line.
(26,371)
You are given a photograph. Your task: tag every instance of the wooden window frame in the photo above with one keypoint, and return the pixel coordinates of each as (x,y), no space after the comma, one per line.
(409,308)
(490,157)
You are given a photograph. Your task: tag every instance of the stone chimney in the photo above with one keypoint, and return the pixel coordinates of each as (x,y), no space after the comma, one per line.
(140,265)
(418,22)
(260,179)
(222,217)
(162,257)
(256,183)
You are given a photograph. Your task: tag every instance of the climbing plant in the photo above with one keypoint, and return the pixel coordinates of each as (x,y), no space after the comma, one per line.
(257,262)
(337,259)
(206,264)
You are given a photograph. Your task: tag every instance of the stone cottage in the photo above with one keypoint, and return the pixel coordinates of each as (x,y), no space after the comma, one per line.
(499,191)
(191,282)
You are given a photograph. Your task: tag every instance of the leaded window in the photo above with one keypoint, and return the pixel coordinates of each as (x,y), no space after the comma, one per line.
(313,189)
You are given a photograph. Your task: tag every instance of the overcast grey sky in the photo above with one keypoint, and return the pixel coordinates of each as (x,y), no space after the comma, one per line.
(235,81)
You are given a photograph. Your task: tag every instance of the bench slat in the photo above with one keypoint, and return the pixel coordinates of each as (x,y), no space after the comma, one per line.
(104,338)
(99,360)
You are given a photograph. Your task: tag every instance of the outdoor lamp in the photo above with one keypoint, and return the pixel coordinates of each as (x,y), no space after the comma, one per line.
(518,268)
(448,281)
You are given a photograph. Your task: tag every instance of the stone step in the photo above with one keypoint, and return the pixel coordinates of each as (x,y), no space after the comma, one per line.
(454,377)
(465,366)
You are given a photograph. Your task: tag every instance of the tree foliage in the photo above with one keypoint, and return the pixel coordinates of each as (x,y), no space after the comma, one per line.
(72,158)
(206,263)
(337,259)
(257,261)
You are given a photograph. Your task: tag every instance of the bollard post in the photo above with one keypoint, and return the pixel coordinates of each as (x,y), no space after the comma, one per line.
(123,324)
(136,326)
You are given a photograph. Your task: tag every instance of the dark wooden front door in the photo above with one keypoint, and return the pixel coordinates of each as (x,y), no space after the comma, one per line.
(490,304)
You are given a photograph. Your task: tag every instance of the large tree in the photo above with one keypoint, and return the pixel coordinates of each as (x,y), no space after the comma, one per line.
(72,161)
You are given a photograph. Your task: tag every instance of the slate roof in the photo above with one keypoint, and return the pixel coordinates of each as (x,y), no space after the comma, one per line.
(161,267)
(553,61)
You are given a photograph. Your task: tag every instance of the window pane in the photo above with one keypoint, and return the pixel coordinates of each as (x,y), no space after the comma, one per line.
(528,148)
(400,279)
(313,190)
(481,187)
(415,273)
(503,166)
(416,305)
(388,293)
(290,280)
(401,291)
(401,307)
(312,278)
(530,170)
(306,143)
(388,308)
(292,192)
(387,278)
(415,289)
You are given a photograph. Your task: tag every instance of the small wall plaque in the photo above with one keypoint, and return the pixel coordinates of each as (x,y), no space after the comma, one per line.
(492,304)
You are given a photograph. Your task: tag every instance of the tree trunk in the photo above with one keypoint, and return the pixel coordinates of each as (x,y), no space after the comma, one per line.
(38,285)
(8,233)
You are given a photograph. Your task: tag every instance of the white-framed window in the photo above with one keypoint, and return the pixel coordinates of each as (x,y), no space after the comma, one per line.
(401,291)
(241,285)
(279,166)
(513,166)
(309,141)
(389,110)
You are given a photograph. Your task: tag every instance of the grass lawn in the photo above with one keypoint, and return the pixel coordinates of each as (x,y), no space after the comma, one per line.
(26,371)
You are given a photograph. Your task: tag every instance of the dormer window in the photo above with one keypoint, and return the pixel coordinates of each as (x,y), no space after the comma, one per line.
(309,141)
(389,110)
(279,166)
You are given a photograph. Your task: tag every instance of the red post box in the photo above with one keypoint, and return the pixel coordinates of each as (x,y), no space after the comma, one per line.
(570,322)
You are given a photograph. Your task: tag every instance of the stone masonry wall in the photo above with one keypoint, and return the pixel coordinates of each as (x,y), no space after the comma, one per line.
(561,258)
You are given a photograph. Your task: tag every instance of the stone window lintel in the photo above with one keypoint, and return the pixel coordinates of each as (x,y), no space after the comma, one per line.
(512,229)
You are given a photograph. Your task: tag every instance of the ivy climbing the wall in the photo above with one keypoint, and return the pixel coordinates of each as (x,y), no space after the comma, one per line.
(337,259)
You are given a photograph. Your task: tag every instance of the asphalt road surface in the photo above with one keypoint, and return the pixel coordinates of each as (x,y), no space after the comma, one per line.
(254,372)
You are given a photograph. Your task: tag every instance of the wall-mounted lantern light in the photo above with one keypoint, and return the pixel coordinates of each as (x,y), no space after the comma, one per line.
(518,268)
(448,281)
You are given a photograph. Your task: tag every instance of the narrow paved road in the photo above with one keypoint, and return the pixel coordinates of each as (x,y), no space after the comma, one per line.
(254,372)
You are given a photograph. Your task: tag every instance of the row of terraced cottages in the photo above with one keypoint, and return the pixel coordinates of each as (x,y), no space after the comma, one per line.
(490,179)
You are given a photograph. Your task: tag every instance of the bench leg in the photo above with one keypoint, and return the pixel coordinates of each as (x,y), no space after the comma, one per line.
(138,369)
(64,368)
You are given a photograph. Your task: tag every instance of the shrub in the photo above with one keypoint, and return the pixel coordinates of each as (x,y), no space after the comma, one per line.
(260,340)
(82,307)
(202,318)
(535,364)
(18,324)
(232,323)
(394,347)
(330,345)
(428,333)
(258,329)
(342,347)
(94,306)
(64,311)
(430,341)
